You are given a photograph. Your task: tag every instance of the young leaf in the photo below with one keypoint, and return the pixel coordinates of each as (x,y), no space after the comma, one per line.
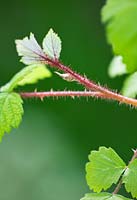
(30,50)
(103,196)
(117,67)
(130,178)
(52,45)
(29,75)
(119,16)
(11,112)
(104,169)
(130,86)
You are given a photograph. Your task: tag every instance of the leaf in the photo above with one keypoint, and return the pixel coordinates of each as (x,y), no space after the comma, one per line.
(130,86)
(117,67)
(30,50)
(104,169)
(11,112)
(130,178)
(103,196)
(119,16)
(29,75)
(52,45)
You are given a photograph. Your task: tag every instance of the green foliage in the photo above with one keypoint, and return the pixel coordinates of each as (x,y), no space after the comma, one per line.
(130,86)
(52,45)
(104,169)
(29,75)
(32,55)
(103,196)
(120,15)
(11,112)
(117,67)
(130,178)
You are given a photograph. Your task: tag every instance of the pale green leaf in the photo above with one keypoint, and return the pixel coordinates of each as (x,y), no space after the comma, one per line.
(130,86)
(11,112)
(29,75)
(30,50)
(103,196)
(117,67)
(104,169)
(119,16)
(130,178)
(52,45)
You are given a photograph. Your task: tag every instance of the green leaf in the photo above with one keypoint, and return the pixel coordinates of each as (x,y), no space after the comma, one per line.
(117,67)
(29,75)
(104,169)
(103,196)
(52,45)
(130,178)
(130,86)
(11,112)
(119,16)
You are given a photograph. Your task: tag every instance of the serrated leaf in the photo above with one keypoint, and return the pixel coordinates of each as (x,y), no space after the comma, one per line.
(52,45)
(104,169)
(11,112)
(130,178)
(119,16)
(130,86)
(103,196)
(29,75)
(117,67)
(30,50)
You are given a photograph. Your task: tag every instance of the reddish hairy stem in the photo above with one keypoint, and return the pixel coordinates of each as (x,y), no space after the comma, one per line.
(90,85)
(72,94)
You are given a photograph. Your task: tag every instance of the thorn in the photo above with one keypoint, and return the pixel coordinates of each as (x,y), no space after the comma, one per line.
(35,90)
(85,76)
(72,97)
(42,98)
(51,89)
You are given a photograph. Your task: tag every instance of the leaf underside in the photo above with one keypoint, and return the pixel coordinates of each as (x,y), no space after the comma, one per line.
(103,196)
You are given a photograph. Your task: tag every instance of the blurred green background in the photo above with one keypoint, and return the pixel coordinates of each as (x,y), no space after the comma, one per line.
(45,158)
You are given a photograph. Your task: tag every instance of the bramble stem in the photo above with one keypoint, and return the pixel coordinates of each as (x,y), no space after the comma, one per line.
(118,187)
(72,94)
(120,181)
(90,85)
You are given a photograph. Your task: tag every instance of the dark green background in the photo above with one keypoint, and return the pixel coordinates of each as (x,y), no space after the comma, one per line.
(45,158)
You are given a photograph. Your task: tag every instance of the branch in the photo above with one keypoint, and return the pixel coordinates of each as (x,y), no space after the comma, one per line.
(72,94)
(89,84)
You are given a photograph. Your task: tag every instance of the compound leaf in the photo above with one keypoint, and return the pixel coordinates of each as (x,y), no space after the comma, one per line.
(130,86)
(130,178)
(119,16)
(11,112)
(29,75)
(104,169)
(103,196)
(52,44)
